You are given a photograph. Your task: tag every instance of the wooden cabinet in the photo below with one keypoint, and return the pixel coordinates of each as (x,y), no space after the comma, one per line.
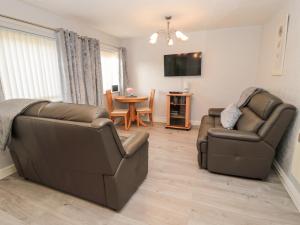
(179,111)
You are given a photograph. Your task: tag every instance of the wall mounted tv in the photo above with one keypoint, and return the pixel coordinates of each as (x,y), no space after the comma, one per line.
(185,64)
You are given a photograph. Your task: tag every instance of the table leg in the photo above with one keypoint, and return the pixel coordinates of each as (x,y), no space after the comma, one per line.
(129,123)
(142,123)
(132,111)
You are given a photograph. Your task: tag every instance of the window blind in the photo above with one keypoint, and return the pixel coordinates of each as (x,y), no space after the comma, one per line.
(29,66)
(110,68)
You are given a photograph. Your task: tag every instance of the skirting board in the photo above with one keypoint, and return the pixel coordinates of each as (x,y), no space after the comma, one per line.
(290,188)
(7,171)
(164,119)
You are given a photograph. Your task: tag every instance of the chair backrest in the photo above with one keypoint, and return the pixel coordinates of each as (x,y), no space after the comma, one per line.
(109,100)
(151,100)
(266,115)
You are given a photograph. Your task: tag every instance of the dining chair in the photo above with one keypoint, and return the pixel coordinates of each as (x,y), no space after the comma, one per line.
(113,113)
(146,110)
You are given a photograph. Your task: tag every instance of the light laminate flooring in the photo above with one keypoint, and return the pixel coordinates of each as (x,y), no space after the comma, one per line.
(175,192)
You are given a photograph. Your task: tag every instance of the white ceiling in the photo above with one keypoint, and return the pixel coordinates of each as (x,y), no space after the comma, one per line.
(131,18)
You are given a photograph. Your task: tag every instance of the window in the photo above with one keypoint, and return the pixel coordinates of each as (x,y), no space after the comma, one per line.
(110,68)
(29,65)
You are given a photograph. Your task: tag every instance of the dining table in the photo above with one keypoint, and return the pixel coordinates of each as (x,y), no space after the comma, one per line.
(131,101)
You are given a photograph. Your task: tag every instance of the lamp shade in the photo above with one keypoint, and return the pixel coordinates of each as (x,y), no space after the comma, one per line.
(153,38)
(181,36)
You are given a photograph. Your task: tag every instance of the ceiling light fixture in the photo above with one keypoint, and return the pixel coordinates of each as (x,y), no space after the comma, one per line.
(168,33)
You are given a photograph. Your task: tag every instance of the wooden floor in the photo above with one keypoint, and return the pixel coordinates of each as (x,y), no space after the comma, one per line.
(176,191)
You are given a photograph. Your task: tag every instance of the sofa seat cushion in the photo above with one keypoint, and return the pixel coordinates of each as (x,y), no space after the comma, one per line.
(207,122)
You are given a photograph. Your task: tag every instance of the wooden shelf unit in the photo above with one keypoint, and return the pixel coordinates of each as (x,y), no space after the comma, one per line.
(179,111)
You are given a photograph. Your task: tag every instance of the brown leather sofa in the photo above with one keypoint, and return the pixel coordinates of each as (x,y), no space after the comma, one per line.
(249,149)
(76,149)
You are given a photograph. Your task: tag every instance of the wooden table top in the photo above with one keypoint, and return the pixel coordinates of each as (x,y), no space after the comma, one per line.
(129,99)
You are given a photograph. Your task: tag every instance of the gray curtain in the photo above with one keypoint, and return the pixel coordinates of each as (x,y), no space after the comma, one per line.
(1,92)
(80,67)
(123,71)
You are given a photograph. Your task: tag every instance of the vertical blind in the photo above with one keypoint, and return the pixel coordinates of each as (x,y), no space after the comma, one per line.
(110,68)
(29,66)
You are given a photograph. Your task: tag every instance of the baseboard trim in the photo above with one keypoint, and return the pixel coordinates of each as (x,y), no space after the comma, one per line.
(7,171)
(163,120)
(289,186)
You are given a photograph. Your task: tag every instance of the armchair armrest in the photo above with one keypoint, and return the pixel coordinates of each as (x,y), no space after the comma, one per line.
(102,113)
(215,111)
(134,142)
(233,134)
(100,122)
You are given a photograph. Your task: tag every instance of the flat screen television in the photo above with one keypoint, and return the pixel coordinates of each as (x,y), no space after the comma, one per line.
(186,64)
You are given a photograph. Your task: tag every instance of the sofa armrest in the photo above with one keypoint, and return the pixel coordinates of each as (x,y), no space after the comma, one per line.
(102,113)
(134,143)
(215,111)
(101,122)
(233,134)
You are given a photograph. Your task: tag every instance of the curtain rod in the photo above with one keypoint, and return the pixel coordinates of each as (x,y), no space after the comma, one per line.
(30,23)
(42,26)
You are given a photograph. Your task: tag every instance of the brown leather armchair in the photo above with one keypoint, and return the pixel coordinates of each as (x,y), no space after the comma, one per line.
(76,149)
(249,149)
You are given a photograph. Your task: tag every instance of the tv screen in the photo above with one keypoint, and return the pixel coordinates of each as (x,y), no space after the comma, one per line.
(186,64)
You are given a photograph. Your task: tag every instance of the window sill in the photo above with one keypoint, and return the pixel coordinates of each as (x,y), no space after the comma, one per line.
(113,92)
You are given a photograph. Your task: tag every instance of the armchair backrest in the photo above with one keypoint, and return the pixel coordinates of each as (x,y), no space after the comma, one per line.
(277,123)
(54,140)
(266,115)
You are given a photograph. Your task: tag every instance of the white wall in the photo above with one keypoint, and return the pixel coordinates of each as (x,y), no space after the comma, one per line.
(23,11)
(286,86)
(230,61)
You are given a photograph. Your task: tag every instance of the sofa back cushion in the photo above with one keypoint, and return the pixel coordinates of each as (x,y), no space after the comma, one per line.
(263,104)
(67,111)
(249,121)
(257,111)
(275,127)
